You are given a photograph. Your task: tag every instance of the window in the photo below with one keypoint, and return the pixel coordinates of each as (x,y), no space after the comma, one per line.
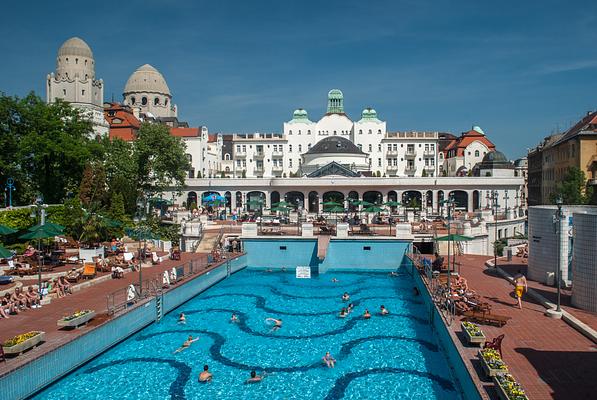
(360,131)
(379,162)
(300,148)
(370,148)
(299,132)
(244,163)
(166,101)
(290,163)
(389,147)
(309,132)
(144,100)
(83,92)
(244,148)
(156,101)
(64,92)
(76,60)
(476,153)
(290,148)
(290,132)
(360,147)
(309,146)
(238,148)
(379,147)
(227,156)
(334,133)
(379,131)
(370,131)
(133,100)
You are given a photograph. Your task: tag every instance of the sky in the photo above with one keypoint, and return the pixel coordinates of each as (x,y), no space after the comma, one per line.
(521,70)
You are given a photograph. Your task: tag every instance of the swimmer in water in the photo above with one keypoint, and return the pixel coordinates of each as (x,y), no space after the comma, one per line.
(277,323)
(187,343)
(367,314)
(350,307)
(182,319)
(234,318)
(416,291)
(255,378)
(329,360)
(343,312)
(205,376)
(383,310)
(345,297)
(334,280)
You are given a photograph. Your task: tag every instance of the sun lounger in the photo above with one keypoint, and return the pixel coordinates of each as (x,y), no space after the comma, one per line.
(89,271)
(486,317)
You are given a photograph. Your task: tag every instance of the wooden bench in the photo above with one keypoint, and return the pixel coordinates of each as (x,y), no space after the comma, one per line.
(486,317)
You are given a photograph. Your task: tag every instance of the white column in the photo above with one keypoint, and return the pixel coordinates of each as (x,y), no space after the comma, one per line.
(469,196)
(306,201)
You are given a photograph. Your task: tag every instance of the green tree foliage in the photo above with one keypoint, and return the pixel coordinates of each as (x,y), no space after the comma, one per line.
(121,171)
(92,189)
(573,188)
(160,159)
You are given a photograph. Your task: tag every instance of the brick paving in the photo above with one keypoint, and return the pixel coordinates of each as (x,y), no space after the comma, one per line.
(93,297)
(548,357)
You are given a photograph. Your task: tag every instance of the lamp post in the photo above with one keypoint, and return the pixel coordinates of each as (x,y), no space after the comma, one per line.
(8,189)
(38,211)
(140,219)
(494,199)
(506,202)
(448,204)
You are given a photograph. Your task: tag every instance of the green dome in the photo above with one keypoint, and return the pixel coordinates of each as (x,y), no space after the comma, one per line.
(300,114)
(369,113)
(335,94)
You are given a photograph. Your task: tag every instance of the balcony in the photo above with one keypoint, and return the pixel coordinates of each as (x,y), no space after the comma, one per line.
(391,153)
(277,154)
(277,168)
(410,169)
(240,154)
(259,155)
(430,167)
(410,153)
(428,153)
(392,168)
(258,170)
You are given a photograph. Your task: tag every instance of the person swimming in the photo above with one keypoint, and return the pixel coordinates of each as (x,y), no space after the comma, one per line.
(255,378)
(182,319)
(345,296)
(233,318)
(367,314)
(343,312)
(187,343)
(329,360)
(350,307)
(205,376)
(277,323)
(334,280)
(383,310)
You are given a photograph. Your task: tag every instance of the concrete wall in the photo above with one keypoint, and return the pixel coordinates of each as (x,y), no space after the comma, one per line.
(584,287)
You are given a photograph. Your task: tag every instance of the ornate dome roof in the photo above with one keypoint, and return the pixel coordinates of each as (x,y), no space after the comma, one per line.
(146,79)
(335,94)
(369,113)
(300,114)
(75,47)
(335,144)
(496,160)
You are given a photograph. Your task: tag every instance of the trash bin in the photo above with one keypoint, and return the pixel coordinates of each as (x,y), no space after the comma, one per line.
(509,253)
(550,278)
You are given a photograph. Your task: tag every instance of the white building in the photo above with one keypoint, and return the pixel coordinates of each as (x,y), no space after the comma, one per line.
(147,91)
(74,81)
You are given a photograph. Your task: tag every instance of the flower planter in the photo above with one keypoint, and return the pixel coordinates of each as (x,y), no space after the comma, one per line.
(489,370)
(516,391)
(76,322)
(25,345)
(476,340)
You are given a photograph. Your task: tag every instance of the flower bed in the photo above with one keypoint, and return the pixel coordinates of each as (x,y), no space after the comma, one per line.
(492,363)
(25,341)
(473,333)
(508,389)
(76,319)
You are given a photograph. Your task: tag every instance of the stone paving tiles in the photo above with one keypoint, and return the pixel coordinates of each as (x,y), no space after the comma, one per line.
(548,357)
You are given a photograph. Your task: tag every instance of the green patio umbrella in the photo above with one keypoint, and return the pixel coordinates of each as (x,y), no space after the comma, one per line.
(283,204)
(5,230)
(392,203)
(331,203)
(453,237)
(49,225)
(44,231)
(335,209)
(361,203)
(373,209)
(4,253)
(281,209)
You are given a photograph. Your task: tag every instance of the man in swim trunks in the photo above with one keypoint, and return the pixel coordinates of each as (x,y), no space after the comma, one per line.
(345,296)
(187,343)
(520,286)
(205,376)
(234,318)
(255,378)
(383,310)
(329,360)
(343,312)
(277,323)
(182,319)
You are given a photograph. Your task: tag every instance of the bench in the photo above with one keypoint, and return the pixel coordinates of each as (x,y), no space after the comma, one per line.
(486,317)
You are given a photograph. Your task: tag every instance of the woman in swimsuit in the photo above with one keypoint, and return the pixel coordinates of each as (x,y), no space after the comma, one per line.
(343,312)
(345,297)
(383,310)
(187,343)
(520,284)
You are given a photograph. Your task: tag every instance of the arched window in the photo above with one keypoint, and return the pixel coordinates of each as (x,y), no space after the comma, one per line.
(156,101)
(67,60)
(476,153)
(360,131)
(370,131)
(166,101)
(309,132)
(227,157)
(133,100)
(309,146)
(290,132)
(299,132)
(379,131)
(85,62)
(76,60)
(144,100)
(227,169)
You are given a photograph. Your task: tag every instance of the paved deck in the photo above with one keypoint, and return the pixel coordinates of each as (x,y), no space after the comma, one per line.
(93,297)
(549,358)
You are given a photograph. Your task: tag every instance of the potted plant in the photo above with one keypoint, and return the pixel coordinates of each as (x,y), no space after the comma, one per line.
(473,333)
(508,389)
(492,363)
(78,318)
(22,342)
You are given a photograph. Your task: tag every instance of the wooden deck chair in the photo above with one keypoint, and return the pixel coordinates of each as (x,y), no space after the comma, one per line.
(89,271)
(487,318)
(495,344)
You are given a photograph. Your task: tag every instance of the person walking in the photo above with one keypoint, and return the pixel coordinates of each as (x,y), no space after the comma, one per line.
(520,286)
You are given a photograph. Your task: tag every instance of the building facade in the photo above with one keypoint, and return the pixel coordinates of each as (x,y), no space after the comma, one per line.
(550,161)
(74,82)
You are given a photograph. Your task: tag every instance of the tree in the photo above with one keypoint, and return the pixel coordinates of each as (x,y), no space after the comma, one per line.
(573,188)
(160,159)
(92,189)
(121,171)
(424,173)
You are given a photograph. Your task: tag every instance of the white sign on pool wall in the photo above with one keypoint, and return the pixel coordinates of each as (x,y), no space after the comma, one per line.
(303,272)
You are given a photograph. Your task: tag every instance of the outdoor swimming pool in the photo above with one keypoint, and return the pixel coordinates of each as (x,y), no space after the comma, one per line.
(395,356)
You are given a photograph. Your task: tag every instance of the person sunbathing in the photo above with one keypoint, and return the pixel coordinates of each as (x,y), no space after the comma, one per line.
(54,288)
(8,305)
(65,285)
(33,297)
(19,299)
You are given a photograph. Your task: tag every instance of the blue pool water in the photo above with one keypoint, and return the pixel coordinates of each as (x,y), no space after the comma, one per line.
(388,357)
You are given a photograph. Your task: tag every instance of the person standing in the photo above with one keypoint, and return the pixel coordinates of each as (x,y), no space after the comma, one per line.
(520,286)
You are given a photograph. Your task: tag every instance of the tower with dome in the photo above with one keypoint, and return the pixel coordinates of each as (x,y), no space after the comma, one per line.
(147,91)
(74,82)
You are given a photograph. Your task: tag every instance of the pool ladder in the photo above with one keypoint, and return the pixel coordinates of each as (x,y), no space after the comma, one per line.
(159,302)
